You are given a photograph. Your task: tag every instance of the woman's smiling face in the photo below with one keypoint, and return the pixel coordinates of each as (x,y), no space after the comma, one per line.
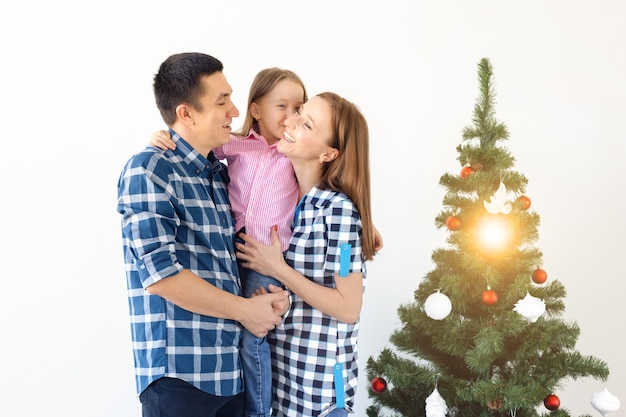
(308,132)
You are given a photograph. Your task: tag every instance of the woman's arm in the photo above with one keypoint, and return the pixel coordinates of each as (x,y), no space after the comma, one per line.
(342,302)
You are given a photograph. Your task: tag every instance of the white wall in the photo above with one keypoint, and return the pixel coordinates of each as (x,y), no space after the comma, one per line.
(76,102)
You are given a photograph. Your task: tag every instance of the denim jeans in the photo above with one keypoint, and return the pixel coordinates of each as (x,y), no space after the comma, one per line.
(338,412)
(174,397)
(255,354)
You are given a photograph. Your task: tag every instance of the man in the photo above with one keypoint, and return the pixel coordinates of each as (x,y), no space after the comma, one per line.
(178,235)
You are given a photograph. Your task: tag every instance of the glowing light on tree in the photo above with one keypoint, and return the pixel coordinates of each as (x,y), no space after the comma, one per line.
(493,233)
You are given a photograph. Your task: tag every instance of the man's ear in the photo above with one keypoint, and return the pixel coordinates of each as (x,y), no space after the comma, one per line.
(183,111)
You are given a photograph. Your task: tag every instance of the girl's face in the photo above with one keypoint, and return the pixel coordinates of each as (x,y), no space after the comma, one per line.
(308,133)
(272,109)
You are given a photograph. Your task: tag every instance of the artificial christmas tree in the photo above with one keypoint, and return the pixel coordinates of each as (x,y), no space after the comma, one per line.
(503,348)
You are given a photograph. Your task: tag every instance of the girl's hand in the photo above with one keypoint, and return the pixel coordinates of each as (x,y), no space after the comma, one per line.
(162,140)
(265,259)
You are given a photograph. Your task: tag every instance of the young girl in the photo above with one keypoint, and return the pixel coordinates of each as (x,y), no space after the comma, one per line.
(263,193)
(315,348)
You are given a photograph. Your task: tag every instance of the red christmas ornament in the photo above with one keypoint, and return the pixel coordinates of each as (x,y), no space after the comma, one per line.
(379,385)
(466,171)
(552,402)
(524,202)
(539,276)
(490,297)
(453,223)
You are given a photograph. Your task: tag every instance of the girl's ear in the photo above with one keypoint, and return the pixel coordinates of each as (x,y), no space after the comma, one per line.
(255,111)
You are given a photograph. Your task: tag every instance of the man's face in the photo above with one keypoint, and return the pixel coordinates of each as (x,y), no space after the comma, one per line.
(212,123)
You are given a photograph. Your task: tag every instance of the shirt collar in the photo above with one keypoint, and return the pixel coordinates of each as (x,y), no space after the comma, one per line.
(253,134)
(318,197)
(197,162)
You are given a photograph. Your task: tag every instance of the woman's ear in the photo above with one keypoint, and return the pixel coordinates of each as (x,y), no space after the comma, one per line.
(329,155)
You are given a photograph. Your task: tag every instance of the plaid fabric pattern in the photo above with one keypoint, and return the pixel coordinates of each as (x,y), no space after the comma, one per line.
(175,216)
(309,343)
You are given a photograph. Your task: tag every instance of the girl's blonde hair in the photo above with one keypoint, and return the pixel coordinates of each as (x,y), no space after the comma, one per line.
(263,83)
(349,173)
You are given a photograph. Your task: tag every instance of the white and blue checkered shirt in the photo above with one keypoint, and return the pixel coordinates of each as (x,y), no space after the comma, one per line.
(309,343)
(176,215)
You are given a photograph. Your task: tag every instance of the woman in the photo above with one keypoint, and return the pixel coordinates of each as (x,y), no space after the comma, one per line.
(315,348)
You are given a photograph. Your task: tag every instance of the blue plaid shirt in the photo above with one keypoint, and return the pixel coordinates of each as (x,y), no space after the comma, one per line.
(308,343)
(176,215)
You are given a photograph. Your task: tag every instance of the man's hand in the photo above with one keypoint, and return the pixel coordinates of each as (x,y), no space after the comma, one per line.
(280,306)
(261,315)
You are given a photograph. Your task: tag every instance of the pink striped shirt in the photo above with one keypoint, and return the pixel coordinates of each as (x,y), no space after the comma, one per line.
(263,190)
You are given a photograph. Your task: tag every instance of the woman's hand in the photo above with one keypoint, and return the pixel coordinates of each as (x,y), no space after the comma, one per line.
(264,259)
(162,140)
(342,302)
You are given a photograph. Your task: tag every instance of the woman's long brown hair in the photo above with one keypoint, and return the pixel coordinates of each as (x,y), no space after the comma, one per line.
(349,173)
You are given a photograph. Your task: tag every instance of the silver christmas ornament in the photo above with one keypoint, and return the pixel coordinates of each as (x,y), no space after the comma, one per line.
(437,306)
(605,402)
(498,203)
(435,405)
(531,308)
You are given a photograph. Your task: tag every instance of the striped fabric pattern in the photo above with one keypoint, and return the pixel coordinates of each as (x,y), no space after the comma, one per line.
(263,189)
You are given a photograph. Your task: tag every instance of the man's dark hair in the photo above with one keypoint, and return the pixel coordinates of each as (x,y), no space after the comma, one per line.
(178,81)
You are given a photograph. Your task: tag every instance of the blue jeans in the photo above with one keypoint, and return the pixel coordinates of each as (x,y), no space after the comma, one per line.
(255,354)
(338,412)
(175,397)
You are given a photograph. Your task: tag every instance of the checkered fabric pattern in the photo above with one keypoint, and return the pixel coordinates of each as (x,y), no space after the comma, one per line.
(175,216)
(309,343)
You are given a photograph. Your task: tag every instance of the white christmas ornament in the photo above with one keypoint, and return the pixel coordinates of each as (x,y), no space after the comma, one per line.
(497,203)
(605,402)
(530,307)
(437,306)
(435,405)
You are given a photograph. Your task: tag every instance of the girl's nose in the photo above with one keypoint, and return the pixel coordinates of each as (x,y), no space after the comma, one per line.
(290,120)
